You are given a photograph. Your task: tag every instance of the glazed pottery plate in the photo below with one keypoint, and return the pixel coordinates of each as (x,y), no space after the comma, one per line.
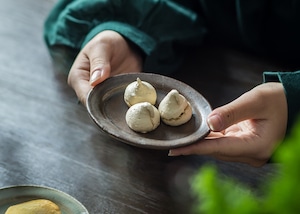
(106,107)
(17,194)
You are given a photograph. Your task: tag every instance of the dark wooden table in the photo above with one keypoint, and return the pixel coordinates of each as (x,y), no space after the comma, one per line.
(47,139)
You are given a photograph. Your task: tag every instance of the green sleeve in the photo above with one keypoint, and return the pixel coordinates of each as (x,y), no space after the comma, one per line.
(158,28)
(291,84)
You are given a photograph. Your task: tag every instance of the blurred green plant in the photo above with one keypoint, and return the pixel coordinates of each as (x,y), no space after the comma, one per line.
(280,195)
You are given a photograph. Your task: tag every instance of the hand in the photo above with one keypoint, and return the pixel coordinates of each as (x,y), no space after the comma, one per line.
(107,54)
(246,130)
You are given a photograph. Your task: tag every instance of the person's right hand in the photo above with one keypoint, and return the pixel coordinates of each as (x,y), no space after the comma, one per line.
(247,129)
(107,54)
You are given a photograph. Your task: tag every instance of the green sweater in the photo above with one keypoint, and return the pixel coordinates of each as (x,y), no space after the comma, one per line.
(163,29)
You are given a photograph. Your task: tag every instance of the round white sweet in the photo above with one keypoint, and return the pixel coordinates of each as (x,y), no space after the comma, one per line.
(139,91)
(143,117)
(174,109)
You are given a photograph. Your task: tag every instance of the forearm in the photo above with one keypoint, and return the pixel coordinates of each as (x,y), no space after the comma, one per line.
(156,27)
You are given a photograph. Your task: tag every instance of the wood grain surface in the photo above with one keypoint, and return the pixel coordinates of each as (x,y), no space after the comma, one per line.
(47,138)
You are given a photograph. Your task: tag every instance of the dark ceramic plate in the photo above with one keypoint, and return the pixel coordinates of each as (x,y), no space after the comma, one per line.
(106,106)
(17,194)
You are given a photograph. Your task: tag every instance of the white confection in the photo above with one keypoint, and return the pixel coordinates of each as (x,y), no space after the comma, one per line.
(143,117)
(139,91)
(174,109)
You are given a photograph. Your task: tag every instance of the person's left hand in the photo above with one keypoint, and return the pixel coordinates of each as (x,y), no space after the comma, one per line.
(246,130)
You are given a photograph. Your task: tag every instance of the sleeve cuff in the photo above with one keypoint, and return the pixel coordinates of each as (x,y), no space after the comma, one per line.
(269,76)
(139,38)
(290,82)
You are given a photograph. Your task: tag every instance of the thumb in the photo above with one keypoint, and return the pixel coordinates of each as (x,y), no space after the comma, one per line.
(99,69)
(99,75)
(245,107)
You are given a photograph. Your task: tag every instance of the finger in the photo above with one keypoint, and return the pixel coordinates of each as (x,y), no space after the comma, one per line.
(78,77)
(229,146)
(245,107)
(82,91)
(222,149)
(99,58)
(209,146)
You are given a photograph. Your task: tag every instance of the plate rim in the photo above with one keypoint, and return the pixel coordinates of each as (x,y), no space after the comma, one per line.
(42,187)
(140,138)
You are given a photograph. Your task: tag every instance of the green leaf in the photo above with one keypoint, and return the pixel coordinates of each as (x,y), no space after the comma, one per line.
(281,193)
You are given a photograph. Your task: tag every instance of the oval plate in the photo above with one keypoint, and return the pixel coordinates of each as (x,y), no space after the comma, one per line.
(17,194)
(106,107)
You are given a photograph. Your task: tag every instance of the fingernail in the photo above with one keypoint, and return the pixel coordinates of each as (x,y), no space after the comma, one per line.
(171,153)
(96,75)
(215,123)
